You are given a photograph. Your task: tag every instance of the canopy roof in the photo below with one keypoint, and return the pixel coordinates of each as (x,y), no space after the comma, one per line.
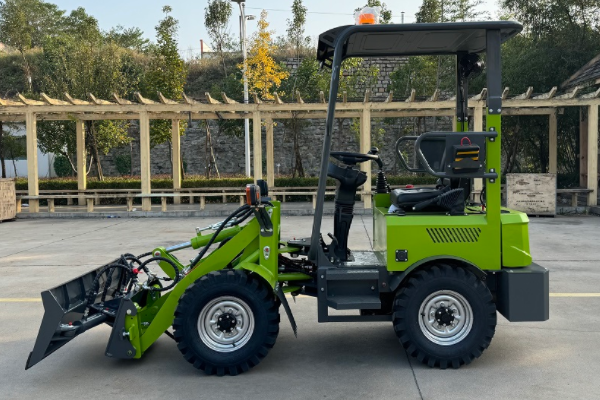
(412,39)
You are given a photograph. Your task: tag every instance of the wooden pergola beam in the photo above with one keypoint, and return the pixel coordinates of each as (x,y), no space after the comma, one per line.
(277,98)
(7,102)
(435,96)
(75,102)
(227,100)
(592,95)
(412,96)
(120,100)
(299,98)
(321,97)
(390,97)
(154,107)
(481,96)
(98,102)
(188,100)
(210,100)
(367,97)
(525,95)
(29,102)
(505,93)
(164,100)
(142,100)
(257,99)
(51,101)
(571,94)
(548,95)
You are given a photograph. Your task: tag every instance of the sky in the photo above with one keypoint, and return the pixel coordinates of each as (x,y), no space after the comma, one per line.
(322,15)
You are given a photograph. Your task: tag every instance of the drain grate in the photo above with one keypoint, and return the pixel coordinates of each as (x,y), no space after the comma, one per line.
(454,235)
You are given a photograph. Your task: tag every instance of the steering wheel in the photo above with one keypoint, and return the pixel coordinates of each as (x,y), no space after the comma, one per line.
(349,158)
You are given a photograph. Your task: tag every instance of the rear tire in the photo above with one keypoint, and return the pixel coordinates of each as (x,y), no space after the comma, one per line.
(444,316)
(226,322)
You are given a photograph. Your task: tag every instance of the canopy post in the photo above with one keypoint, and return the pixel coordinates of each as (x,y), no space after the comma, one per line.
(478,127)
(145,160)
(176,158)
(365,146)
(32,161)
(592,155)
(81,162)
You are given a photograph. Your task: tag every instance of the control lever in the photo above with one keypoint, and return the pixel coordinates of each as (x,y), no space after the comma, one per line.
(332,247)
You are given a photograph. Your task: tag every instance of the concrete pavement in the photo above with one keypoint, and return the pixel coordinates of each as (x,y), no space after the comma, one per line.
(557,359)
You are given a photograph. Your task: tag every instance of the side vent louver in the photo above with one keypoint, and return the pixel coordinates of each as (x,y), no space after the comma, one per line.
(454,235)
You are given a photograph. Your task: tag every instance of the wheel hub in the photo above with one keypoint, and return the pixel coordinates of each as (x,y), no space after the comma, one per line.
(226,322)
(444,316)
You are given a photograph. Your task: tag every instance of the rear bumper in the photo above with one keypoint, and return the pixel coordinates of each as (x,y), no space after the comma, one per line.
(523,294)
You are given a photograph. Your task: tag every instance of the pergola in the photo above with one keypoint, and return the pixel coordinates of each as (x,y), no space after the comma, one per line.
(30,111)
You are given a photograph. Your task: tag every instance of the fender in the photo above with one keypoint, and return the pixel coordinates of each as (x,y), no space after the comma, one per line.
(397,279)
(262,271)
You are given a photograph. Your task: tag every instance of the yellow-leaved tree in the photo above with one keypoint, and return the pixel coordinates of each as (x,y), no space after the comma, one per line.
(264,73)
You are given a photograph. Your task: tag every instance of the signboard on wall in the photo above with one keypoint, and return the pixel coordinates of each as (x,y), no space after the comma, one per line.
(533,194)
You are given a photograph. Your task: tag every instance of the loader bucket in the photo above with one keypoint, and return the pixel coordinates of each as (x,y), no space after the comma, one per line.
(64,308)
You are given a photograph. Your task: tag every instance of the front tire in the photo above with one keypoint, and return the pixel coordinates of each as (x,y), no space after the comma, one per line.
(444,316)
(226,322)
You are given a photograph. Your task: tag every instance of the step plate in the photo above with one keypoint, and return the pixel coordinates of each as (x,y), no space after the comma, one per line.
(354,302)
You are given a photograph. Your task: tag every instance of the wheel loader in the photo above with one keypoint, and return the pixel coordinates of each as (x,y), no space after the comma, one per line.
(441,268)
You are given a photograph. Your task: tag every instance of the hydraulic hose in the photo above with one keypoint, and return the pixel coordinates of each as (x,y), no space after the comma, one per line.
(243,210)
(172,264)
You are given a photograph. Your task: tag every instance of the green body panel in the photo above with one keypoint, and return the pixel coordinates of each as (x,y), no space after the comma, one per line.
(515,239)
(426,236)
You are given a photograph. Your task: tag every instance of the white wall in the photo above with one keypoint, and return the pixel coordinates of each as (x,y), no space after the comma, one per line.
(45,161)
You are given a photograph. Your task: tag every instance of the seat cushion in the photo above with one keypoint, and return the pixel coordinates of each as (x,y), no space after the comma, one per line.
(407,198)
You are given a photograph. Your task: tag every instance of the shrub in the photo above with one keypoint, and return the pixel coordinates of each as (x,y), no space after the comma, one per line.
(123,164)
(62,167)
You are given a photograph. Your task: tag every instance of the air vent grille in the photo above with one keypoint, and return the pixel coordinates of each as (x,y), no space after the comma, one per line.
(454,235)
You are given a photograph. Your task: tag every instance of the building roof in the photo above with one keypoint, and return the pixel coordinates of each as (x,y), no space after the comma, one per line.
(589,74)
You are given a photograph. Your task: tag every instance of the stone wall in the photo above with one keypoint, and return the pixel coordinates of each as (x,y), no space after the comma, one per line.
(229,150)
(385,65)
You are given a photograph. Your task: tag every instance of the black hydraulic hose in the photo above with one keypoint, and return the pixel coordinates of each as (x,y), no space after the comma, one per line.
(242,210)
(96,282)
(243,217)
(172,264)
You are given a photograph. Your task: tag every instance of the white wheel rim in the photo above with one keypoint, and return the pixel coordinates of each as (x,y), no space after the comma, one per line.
(238,331)
(445,333)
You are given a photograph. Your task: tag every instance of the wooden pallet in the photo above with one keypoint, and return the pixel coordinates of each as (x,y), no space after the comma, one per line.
(8,200)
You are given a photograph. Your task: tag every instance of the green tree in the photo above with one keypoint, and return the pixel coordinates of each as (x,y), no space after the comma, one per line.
(295,28)
(263,72)
(216,19)
(559,37)
(24,24)
(129,38)
(78,61)
(167,74)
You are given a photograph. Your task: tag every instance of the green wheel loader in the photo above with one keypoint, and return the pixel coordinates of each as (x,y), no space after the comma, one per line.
(441,268)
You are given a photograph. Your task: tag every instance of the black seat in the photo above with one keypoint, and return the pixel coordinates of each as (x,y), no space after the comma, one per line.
(444,198)
(407,198)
